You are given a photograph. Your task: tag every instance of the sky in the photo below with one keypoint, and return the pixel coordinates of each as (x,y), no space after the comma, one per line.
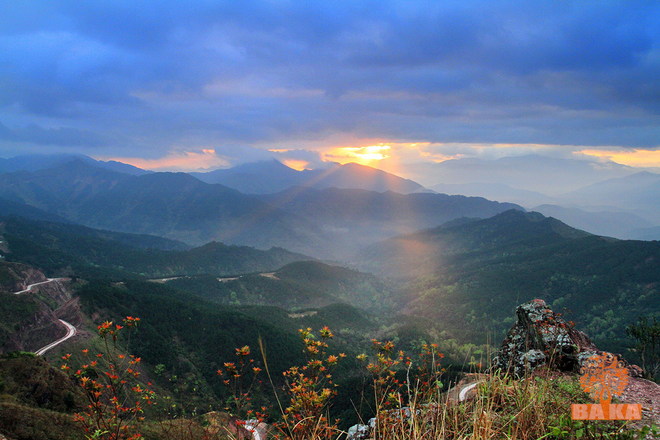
(189,85)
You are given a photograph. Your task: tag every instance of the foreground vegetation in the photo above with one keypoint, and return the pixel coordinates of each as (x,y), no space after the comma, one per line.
(106,394)
(316,387)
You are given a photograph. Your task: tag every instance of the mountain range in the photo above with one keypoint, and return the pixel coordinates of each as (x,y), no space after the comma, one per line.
(637,192)
(455,282)
(615,223)
(272,176)
(601,197)
(328,213)
(546,175)
(35,162)
(328,223)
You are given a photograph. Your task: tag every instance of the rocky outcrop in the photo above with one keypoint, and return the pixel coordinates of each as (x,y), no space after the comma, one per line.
(71,312)
(541,337)
(55,293)
(31,334)
(15,277)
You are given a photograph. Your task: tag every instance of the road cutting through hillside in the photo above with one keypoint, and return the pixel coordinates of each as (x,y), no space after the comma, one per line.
(30,286)
(70,332)
(463,394)
(70,329)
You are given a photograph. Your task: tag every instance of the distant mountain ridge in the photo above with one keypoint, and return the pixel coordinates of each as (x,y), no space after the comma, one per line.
(64,249)
(639,192)
(424,251)
(35,162)
(602,197)
(495,191)
(618,224)
(272,176)
(327,223)
(542,174)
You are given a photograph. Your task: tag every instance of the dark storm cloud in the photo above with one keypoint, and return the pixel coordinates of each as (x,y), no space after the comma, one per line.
(204,73)
(61,136)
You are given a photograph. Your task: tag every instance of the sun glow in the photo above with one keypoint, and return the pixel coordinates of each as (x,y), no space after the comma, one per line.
(361,155)
(298,165)
(635,158)
(204,159)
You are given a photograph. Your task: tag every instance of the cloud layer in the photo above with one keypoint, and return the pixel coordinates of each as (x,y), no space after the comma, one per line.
(147,79)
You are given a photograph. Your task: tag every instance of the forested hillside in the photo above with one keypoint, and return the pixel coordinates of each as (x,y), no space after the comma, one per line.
(67,249)
(469,275)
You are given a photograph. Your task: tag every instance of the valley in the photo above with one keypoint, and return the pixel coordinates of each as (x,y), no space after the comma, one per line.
(83,245)
(330,220)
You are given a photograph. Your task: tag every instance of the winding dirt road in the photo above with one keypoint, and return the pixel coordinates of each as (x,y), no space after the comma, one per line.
(70,329)
(70,332)
(29,287)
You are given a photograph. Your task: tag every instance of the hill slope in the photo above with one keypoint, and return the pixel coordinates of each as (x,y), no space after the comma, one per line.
(295,286)
(468,276)
(72,249)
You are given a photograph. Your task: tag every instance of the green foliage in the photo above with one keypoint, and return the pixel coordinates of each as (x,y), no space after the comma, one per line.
(65,249)
(188,336)
(298,285)
(474,274)
(21,422)
(14,310)
(36,399)
(31,381)
(646,333)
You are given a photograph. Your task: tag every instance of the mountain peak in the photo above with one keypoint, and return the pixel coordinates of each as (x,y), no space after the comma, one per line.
(511,226)
(272,176)
(38,162)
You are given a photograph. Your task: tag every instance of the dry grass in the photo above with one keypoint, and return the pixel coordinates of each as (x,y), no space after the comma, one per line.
(536,407)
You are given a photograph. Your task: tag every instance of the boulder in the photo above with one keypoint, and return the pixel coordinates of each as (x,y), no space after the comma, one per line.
(541,337)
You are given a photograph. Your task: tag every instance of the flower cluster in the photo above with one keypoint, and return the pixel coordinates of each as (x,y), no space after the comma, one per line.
(406,391)
(310,389)
(383,367)
(110,381)
(241,377)
(429,372)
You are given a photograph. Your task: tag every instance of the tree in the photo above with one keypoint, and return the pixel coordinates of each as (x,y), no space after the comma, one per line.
(646,332)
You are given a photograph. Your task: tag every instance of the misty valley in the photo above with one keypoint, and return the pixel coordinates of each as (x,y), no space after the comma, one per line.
(210,288)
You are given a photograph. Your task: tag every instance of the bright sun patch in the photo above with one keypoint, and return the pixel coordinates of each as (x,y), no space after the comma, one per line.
(298,165)
(362,155)
(636,158)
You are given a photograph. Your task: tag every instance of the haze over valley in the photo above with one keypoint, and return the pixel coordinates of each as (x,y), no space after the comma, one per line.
(276,220)
(75,216)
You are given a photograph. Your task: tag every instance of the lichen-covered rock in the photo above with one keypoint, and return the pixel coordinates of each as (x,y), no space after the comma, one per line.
(541,337)
(360,431)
